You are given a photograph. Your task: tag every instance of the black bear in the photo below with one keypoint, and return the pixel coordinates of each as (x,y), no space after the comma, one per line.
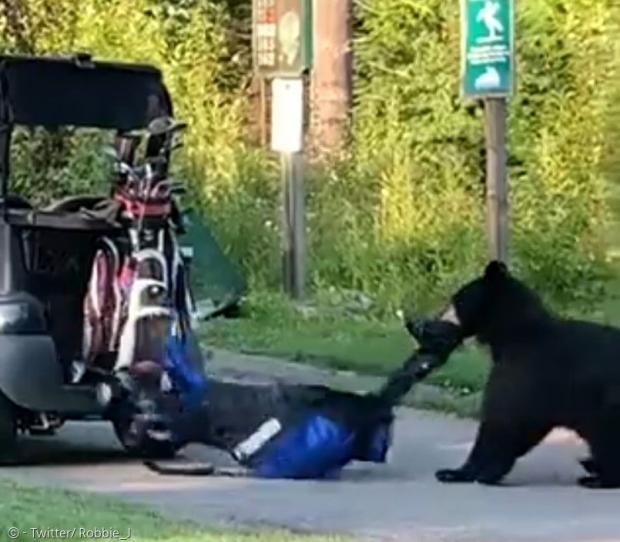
(547,372)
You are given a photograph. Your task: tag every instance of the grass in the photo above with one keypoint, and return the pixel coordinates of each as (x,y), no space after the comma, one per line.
(331,338)
(26,508)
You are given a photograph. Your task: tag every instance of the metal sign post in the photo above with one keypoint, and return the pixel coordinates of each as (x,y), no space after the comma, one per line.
(287,139)
(282,46)
(488,73)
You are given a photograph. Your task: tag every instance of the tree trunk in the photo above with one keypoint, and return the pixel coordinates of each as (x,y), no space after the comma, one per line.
(331,81)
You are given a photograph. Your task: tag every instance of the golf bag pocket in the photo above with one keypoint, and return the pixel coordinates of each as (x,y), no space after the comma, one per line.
(312,448)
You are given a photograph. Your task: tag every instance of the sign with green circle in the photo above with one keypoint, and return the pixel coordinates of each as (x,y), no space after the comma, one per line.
(488,48)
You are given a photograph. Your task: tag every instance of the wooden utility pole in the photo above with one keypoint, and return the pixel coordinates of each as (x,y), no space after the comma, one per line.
(497,182)
(331,82)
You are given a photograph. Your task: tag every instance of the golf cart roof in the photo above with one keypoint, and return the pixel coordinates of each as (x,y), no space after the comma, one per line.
(51,92)
(76,91)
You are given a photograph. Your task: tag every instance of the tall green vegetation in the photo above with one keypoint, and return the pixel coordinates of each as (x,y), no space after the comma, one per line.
(402,215)
(612,161)
(421,144)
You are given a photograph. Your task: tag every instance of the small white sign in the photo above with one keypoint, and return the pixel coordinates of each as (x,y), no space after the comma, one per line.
(287,115)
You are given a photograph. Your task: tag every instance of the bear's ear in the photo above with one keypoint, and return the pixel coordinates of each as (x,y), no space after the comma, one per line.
(495,270)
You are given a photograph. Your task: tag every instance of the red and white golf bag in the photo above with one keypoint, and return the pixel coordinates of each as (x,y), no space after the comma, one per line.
(139,290)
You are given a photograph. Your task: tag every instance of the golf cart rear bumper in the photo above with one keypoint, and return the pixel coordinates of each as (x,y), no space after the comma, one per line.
(31,377)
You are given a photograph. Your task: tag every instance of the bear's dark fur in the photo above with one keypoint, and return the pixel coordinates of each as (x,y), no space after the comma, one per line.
(547,372)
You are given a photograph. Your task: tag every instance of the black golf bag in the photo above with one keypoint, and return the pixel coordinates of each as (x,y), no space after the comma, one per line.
(277,430)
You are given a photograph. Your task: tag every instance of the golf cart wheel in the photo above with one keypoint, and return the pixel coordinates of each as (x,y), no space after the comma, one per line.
(8,432)
(143,448)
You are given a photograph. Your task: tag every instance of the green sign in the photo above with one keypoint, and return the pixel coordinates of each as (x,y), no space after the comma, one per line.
(282,37)
(488,51)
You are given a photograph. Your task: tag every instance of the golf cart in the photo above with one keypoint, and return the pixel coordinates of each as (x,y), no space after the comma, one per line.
(91,286)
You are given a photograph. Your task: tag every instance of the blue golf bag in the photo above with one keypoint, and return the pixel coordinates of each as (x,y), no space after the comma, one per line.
(294,431)
(277,430)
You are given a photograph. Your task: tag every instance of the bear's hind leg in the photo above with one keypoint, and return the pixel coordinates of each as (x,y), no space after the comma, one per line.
(497,447)
(605,446)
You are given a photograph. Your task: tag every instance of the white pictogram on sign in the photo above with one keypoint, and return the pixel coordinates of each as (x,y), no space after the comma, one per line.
(289,34)
(488,16)
(490,79)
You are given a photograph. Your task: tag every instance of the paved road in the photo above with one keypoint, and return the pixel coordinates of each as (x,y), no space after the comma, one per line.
(398,501)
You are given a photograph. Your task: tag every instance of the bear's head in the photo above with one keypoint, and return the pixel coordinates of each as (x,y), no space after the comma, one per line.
(493,305)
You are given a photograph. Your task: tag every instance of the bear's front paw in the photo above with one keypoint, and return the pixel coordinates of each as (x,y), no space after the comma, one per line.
(591,482)
(453,476)
(589,465)
(596,482)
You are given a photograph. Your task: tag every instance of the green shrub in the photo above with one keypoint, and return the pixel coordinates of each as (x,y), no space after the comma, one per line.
(558,141)
(48,166)
(417,148)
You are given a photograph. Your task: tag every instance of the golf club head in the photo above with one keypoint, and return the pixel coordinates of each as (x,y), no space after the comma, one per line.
(165,125)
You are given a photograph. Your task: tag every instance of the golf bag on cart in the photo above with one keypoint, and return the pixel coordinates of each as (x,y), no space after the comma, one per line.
(138,305)
(277,430)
